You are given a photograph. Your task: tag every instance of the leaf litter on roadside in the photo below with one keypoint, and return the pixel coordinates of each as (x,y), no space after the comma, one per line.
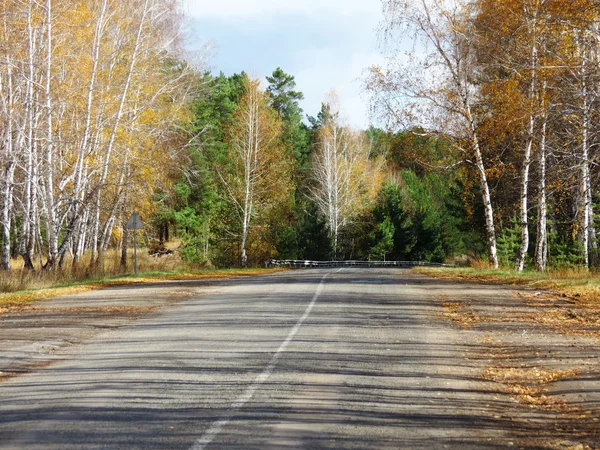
(528,385)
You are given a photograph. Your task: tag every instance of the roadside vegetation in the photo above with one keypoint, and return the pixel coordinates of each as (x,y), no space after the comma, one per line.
(22,287)
(578,285)
(104,113)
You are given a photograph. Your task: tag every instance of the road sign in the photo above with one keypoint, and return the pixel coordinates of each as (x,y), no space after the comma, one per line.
(135,223)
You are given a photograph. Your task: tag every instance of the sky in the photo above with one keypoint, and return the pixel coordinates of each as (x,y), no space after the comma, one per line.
(325,44)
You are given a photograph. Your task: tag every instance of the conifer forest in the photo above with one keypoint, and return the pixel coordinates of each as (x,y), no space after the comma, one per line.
(484,144)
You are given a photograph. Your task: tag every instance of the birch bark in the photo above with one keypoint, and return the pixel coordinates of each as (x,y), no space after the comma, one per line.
(115,127)
(77,200)
(524,203)
(7,163)
(585,178)
(541,246)
(50,205)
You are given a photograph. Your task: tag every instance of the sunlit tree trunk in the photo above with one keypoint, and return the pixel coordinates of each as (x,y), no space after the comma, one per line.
(7,162)
(115,126)
(541,246)
(77,196)
(490,227)
(528,148)
(50,205)
(585,187)
(250,159)
(329,173)
(28,221)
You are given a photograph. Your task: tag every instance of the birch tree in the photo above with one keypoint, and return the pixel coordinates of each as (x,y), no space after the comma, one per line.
(343,176)
(439,78)
(510,54)
(259,171)
(541,244)
(587,94)
(7,156)
(577,87)
(531,12)
(88,90)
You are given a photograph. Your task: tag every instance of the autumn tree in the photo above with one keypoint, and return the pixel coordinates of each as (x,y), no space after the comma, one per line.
(436,87)
(344,177)
(94,94)
(536,62)
(256,178)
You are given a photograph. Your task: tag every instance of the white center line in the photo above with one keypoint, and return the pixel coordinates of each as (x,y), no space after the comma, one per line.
(239,402)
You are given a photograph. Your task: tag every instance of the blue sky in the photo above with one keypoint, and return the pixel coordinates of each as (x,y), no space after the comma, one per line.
(325,44)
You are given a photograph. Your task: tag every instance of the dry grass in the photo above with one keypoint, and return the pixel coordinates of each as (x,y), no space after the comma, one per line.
(20,287)
(20,280)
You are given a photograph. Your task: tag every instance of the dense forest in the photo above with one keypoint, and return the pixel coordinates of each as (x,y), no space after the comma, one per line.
(486,147)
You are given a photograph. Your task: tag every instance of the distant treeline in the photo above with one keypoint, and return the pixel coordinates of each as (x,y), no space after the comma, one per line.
(490,148)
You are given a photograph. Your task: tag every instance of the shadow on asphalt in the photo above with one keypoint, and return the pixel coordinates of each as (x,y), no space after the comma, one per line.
(400,277)
(106,402)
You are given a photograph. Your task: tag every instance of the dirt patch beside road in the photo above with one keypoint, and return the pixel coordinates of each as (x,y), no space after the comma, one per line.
(543,350)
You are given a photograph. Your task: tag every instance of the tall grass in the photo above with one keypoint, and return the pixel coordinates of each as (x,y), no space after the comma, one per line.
(20,279)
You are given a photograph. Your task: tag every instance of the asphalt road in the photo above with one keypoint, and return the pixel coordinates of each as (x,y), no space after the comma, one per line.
(330,358)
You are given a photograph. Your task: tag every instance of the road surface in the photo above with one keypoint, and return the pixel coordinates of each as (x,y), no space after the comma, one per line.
(320,358)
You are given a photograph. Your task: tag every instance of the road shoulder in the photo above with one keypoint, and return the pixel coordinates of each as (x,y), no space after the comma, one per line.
(540,348)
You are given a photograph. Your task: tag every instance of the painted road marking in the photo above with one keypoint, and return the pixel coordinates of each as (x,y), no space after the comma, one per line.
(217,426)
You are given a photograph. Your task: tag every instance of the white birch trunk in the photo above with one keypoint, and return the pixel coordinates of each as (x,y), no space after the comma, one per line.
(524,203)
(541,246)
(50,206)
(77,197)
(115,127)
(7,157)
(8,164)
(27,239)
(485,193)
(585,188)
(251,163)
(585,181)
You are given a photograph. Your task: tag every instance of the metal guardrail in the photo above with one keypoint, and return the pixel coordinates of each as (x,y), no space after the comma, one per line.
(294,264)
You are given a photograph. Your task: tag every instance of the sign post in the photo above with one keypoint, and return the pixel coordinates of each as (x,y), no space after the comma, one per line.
(135,223)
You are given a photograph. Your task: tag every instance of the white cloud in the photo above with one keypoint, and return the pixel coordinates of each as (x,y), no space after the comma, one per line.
(241,8)
(325,44)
